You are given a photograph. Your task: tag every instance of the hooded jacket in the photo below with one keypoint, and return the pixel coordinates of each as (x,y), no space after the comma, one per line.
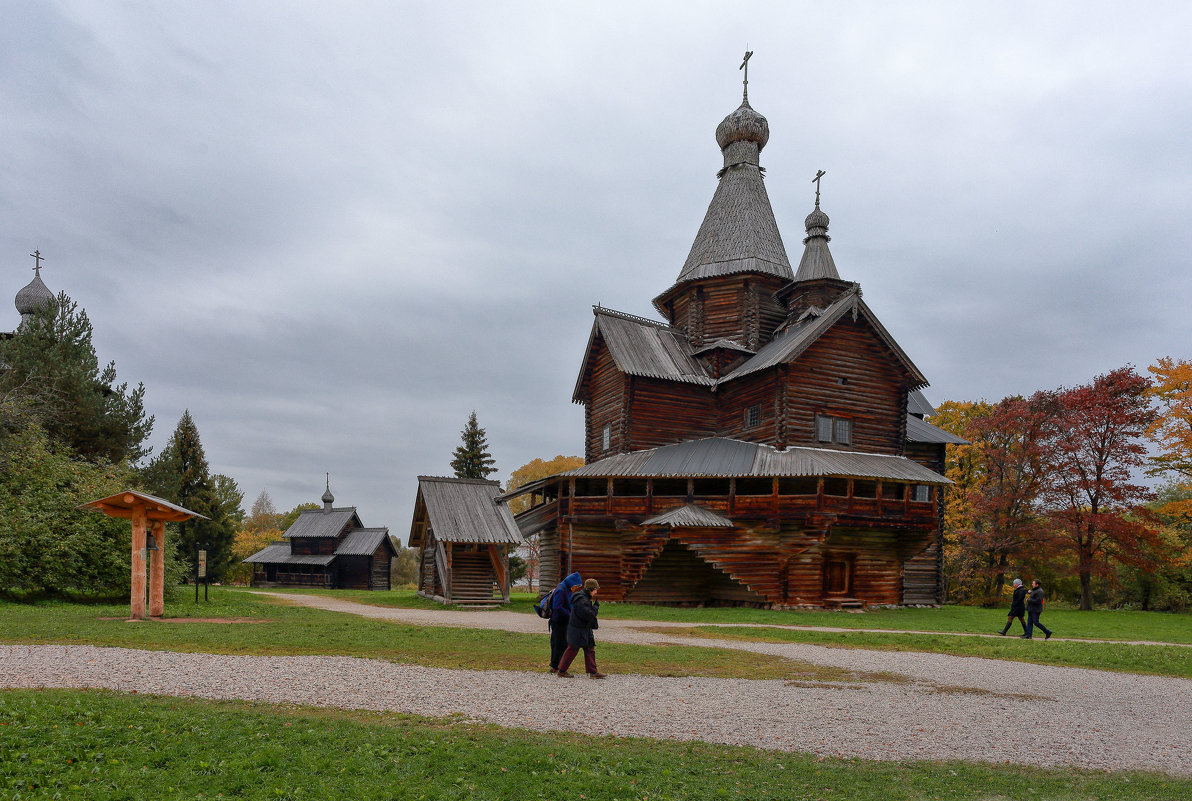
(583,620)
(1018,602)
(561,609)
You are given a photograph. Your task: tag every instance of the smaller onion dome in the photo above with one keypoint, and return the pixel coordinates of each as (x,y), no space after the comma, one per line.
(743,125)
(816,224)
(328,498)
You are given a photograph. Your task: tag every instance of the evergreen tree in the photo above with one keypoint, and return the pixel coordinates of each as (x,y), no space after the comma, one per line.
(180,475)
(472,459)
(52,378)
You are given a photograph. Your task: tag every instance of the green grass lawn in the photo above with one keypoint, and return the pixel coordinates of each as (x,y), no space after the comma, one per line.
(97,745)
(1099,624)
(283,629)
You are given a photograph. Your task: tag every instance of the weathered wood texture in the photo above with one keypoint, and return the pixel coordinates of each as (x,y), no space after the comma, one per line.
(605,390)
(735,307)
(661,413)
(848,373)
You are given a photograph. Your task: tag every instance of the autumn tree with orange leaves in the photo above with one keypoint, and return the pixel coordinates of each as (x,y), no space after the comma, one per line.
(1094,446)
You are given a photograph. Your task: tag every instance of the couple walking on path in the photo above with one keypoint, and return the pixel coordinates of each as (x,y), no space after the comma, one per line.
(1032,604)
(573,618)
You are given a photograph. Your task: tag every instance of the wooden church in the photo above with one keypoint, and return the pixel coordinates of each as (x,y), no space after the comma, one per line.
(762,445)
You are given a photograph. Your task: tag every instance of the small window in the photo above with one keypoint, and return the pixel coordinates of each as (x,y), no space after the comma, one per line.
(892,491)
(836,486)
(922,493)
(670,487)
(864,489)
(833,429)
(753,416)
(755,486)
(798,486)
(606,437)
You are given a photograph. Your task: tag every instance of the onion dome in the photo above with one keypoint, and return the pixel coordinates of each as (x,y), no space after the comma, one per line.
(817,260)
(328,498)
(743,125)
(33,296)
(816,224)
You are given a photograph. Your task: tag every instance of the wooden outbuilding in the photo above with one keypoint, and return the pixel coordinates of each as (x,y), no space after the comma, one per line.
(765,443)
(327,547)
(464,536)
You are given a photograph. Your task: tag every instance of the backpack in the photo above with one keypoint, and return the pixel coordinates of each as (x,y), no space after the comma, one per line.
(546,606)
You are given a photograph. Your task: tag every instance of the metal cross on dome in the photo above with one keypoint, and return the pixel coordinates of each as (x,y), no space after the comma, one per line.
(816,180)
(745,66)
(37,260)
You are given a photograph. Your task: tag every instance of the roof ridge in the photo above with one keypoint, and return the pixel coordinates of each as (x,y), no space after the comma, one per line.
(597,310)
(456,480)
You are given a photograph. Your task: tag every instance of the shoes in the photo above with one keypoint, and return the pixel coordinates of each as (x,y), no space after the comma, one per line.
(1002,633)
(563,674)
(1047,636)
(554,670)
(1024,636)
(597,675)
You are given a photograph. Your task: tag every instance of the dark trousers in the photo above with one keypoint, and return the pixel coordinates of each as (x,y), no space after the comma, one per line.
(1032,620)
(570,654)
(1010,622)
(558,642)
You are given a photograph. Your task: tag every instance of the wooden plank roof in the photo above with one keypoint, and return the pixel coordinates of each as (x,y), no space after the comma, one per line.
(323,522)
(919,430)
(690,515)
(278,553)
(464,510)
(364,542)
(725,458)
(121,505)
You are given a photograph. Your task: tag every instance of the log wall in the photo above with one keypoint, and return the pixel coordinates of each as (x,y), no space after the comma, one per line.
(605,390)
(665,412)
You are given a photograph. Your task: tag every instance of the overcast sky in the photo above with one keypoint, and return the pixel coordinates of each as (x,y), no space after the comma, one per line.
(332,230)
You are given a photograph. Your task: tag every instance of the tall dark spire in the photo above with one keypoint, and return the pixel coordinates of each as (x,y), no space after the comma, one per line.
(738,234)
(328,498)
(817,259)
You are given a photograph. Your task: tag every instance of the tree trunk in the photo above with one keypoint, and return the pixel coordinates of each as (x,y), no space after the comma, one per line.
(1086,591)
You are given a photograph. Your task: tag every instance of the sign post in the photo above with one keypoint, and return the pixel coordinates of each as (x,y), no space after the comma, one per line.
(201,569)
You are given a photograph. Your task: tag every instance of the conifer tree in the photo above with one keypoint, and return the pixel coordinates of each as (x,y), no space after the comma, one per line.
(180,474)
(472,459)
(53,378)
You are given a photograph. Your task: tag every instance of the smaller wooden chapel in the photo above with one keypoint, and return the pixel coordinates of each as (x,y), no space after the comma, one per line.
(326,547)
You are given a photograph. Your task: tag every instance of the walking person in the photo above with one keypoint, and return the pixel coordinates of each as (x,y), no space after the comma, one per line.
(1034,608)
(1017,607)
(584,611)
(560,616)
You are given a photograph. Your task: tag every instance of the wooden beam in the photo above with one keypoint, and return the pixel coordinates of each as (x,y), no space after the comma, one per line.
(137,599)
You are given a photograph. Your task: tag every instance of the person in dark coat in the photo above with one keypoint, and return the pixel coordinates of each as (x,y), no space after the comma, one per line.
(1034,608)
(1017,607)
(584,611)
(560,616)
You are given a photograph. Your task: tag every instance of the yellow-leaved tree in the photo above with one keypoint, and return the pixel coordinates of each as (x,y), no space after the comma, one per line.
(527,473)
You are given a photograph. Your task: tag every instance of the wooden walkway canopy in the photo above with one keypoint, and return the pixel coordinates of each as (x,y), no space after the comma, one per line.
(146,512)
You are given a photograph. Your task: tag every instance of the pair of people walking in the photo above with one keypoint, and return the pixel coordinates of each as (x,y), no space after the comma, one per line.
(574,616)
(1032,604)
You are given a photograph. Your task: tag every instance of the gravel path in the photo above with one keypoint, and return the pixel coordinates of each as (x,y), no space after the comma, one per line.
(951,707)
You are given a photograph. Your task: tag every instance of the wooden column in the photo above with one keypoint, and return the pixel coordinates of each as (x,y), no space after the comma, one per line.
(137,601)
(157,571)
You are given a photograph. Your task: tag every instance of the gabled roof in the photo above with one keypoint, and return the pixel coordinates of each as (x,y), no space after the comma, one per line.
(465,510)
(644,348)
(121,505)
(724,458)
(364,542)
(788,345)
(919,430)
(690,515)
(723,344)
(278,553)
(323,522)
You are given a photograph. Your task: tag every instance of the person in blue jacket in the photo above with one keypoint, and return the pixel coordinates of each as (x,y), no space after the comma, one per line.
(560,616)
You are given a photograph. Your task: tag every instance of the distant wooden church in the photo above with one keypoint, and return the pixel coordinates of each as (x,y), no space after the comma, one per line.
(326,547)
(765,445)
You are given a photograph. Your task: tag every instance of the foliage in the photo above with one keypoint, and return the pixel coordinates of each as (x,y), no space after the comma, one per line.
(53,379)
(256,531)
(528,554)
(49,547)
(88,744)
(180,474)
(1171,429)
(1094,444)
(403,570)
(471,458)
(286,520)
